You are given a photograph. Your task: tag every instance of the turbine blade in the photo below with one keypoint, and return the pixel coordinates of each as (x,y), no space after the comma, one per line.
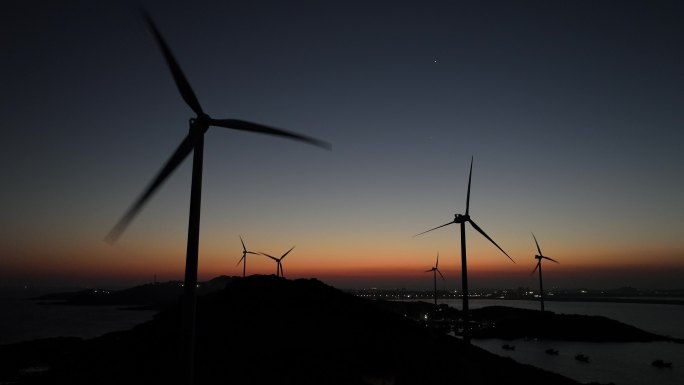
(427,271)
(490,239)
(263,129)
(535,268)
(243,244)
(282,271)
(551,259)
(183,150)
(251,252)
(470,177)
(535,241)
(270,256)
(181,81)
(288,252)
(243,257)
(437,263)
(440,274)
(447,224)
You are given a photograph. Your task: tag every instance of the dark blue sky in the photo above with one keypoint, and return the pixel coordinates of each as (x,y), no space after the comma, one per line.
(572,110)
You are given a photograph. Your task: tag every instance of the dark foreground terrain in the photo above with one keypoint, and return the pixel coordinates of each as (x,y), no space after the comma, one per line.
(268,330)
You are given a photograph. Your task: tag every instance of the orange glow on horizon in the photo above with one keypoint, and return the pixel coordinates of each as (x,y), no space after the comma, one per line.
(138,263)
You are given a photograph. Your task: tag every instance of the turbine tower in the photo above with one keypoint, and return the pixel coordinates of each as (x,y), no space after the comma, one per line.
(435,270)
(462,220)
(539,266)
(279,262)
(244,258)
(193,142)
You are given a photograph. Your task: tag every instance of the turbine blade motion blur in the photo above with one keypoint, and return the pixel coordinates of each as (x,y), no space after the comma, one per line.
(446,224)
(178,156)
(263,129)
(181,81)
(193,142)
(490,239)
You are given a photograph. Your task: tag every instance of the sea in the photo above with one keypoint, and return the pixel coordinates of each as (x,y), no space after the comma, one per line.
(24,318)
(619,363)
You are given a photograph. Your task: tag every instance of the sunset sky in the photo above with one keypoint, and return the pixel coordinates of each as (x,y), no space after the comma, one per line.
(572,110)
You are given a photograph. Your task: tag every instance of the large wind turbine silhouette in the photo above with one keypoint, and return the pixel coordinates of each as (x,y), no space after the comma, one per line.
(244,258)
(539,266)
(193,142)
(462,219)
(435,270)
(279,262)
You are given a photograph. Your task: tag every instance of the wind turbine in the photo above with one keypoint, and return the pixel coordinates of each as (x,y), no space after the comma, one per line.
(462,219)
(435,270)
(539,266)
(244,258)
(279,262)
(193,142)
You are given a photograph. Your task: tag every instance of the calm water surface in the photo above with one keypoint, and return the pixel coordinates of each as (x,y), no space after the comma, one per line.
(620,363)
(24,320)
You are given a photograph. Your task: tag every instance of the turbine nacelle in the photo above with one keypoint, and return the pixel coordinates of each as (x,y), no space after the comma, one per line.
(540,257)
(461,218)
(201,122)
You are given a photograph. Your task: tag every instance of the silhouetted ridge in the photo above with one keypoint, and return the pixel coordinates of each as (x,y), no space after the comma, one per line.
(269,330)
(156,295)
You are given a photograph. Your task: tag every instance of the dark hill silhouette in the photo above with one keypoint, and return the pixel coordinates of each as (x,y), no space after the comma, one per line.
(509,323)
(152,295)
(268,330)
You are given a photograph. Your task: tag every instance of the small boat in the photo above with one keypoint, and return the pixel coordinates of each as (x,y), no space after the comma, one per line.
(661,364)
(552,352)
(507,347)
(582,358)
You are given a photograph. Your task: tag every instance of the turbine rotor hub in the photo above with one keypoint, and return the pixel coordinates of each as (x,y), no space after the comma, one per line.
(201,122)
(460,218)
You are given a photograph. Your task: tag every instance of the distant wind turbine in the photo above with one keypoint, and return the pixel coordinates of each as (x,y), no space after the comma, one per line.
(462,219)
(435,270)
(539,266)
(244,258)
(279,262)
(193,142)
